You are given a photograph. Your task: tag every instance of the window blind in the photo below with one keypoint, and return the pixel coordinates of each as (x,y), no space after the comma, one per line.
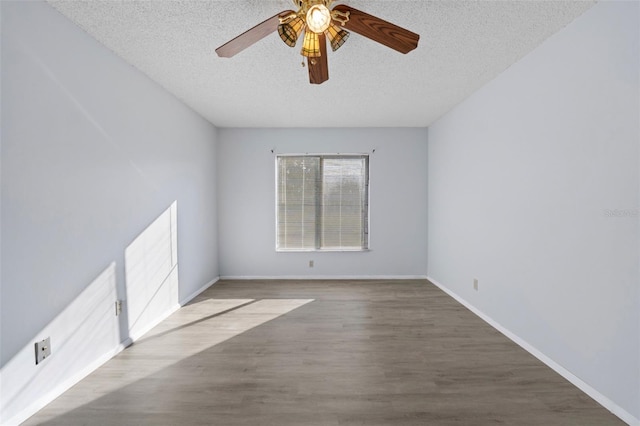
(322,202)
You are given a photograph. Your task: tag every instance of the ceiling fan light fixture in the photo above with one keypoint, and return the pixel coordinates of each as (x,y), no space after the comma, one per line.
(318,18)
(290,31)
(336,36)
(311,45)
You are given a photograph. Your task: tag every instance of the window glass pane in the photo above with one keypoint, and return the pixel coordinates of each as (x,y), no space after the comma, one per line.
(297,200)
(343,187)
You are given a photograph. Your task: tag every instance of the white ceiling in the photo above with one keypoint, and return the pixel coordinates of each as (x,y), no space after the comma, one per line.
(463,45)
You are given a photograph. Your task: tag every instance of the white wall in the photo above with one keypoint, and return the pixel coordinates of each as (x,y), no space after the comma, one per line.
(93,153)
(398,202)
(524,180)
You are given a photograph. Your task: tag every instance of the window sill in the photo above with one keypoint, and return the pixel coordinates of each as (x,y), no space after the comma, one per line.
(321,250)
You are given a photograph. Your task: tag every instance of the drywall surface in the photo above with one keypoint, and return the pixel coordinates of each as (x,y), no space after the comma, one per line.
(93,154)
(533,190)
(398,202)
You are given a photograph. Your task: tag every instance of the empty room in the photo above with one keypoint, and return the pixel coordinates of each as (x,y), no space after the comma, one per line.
(315,212)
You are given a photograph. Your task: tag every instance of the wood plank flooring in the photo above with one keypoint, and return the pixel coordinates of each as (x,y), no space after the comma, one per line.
(324,353)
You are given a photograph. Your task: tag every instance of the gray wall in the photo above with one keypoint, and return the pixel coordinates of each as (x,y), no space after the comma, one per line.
(533,189)
(398,202)
(93,152)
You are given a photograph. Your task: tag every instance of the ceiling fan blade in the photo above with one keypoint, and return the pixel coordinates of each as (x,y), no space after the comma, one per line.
(379,30)
(319,67)
(251,36)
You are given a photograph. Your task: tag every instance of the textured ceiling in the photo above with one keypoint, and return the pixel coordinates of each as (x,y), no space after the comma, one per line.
(463,45)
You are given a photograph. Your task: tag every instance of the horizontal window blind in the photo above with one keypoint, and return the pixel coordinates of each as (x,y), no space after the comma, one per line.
(322,202)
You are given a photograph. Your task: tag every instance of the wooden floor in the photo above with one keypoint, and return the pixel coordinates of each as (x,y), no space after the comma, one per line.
(324,353)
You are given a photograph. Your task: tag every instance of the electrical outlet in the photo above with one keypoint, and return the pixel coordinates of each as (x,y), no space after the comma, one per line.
(43,350)
(118,307)
(311,264)
(475,284)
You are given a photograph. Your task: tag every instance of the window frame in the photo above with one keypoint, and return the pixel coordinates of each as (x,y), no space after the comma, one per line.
(367,194)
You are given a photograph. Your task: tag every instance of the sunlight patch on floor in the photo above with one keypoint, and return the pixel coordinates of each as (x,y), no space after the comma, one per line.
(192,329)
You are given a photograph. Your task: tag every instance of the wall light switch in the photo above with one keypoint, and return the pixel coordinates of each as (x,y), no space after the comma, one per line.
(475,284)
(43,350)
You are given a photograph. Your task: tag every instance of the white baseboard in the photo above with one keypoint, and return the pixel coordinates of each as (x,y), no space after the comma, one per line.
(137,335)
(198,291)
(61,388)
(323,277)
(171,310)
(576,381)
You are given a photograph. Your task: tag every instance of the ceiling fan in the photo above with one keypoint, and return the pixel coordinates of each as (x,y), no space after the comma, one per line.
(319,23)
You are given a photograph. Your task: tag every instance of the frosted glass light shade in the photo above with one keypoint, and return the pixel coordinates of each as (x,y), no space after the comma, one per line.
(318,18)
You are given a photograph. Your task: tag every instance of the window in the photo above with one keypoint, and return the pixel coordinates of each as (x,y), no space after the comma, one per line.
(322,202)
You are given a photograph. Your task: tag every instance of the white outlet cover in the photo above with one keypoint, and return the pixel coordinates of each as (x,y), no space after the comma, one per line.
(43,349)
